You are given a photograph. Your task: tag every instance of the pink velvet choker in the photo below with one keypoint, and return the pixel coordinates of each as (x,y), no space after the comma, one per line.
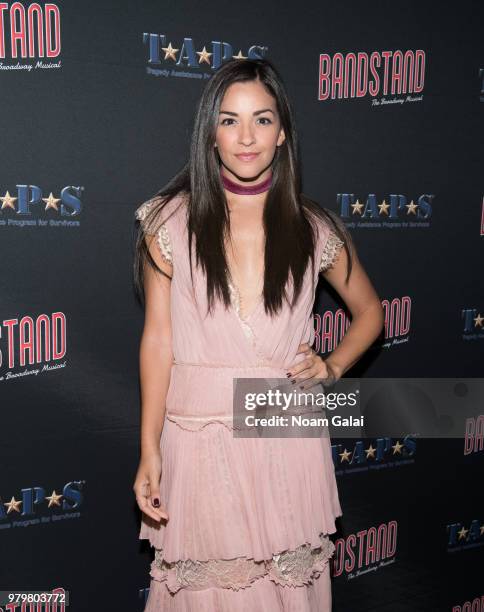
(246,189)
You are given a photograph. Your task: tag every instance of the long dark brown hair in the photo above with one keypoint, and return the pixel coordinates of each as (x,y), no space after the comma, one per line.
(290,237)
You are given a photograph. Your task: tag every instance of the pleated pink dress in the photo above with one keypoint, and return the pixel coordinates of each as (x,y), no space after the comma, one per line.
(249,518)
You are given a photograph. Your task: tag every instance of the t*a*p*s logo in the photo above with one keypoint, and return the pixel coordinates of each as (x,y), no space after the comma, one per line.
(30,205)
(187,59)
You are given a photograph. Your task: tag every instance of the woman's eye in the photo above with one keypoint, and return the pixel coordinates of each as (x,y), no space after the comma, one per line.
(266,119)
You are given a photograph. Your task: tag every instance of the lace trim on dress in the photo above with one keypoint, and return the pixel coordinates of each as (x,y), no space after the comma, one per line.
(330,252)
(289,568)
(246,327)
(236,303)
(165,244)
(162,235)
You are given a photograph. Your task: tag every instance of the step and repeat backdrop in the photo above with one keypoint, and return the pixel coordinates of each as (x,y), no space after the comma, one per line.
(98,103)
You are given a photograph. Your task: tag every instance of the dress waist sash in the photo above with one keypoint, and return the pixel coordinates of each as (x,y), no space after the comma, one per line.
(200,393)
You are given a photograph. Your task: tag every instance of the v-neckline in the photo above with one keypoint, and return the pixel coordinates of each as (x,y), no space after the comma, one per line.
(236,300)
(245,321)
(237,303)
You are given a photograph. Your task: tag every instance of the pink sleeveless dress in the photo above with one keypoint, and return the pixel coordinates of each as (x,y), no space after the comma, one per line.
(249,518)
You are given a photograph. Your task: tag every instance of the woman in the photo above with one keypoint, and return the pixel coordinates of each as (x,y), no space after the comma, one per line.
(234,250)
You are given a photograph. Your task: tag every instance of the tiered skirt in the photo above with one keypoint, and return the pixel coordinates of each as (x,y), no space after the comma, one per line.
(249,518)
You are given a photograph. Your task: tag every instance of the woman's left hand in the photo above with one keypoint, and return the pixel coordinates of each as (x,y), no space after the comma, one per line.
(312,367)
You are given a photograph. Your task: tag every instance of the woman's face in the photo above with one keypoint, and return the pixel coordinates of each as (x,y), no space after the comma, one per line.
(248,123)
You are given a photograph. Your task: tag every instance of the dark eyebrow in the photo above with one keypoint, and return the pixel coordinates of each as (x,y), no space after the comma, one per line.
(258,112)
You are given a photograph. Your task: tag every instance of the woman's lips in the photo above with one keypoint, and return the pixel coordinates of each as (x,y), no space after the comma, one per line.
(247,156)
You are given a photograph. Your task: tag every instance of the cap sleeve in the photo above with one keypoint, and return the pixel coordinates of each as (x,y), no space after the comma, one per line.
(148,220)
(331,251)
